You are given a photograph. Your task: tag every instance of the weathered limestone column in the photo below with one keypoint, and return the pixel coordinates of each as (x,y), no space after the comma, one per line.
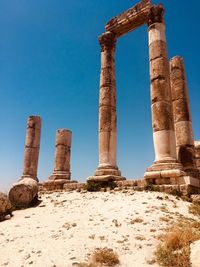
(107,169)
(62,155)
(165,165)
(197,154)
(32,147)
(24,192)
(182,116)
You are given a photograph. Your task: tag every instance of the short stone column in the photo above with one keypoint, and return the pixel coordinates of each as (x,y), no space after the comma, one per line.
(107,169)
(165,165)
(32,147)
(197,154)
(62,155)
(182,115)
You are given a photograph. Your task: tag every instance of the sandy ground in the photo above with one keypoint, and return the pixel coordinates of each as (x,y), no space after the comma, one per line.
(67,226)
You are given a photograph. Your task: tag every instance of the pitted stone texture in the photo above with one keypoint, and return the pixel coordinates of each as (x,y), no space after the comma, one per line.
(32,146)
(181,110)
(185,154)
(159,91)
(161,116)
(62,155)
(182,115)
(157,49)
(5,206)
(184,133)
(159,68)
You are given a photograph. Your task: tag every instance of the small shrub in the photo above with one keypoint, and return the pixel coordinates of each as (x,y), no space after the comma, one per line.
(152,188)
(140,237)
(102,257)
(106,256)
(93,186)
(137,220)
(164,219)
(175,249)
(176,192)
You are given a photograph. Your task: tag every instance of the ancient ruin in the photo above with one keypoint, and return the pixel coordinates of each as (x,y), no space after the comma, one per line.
(61,174)
(25,190)
(32,147)
(171,121)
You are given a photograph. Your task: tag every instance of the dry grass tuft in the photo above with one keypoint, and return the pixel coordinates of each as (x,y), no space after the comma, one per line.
(195,209)
(137,220)
(175,249)
(102,257)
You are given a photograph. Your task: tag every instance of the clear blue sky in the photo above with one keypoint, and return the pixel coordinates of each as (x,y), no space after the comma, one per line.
(49,66)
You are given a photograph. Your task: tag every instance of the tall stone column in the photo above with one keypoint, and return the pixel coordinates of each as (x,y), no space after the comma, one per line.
(182,116)
(107,169)
(32,146)
(165,165)
(62,155)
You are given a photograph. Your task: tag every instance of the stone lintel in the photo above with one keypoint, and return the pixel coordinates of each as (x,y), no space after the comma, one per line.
(130,19)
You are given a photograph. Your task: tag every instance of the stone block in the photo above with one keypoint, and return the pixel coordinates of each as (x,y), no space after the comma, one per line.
(158,49)
(184,133)
(159,68)
(105,118)
(185,155)
(181,110)
(160,90)
(161,116)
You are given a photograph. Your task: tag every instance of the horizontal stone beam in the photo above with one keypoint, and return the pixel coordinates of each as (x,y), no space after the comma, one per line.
(130,19)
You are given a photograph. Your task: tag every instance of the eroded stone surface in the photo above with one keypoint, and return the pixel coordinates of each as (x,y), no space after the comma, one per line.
(182,114)
(32,146)
(62,155)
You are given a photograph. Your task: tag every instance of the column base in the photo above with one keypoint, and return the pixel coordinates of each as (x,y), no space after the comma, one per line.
(164,172)
(58,184)
(106,174)
(59,175)
(29,176)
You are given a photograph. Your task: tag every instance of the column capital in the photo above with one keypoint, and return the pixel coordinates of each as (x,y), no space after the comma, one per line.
(156,14)
(107,41)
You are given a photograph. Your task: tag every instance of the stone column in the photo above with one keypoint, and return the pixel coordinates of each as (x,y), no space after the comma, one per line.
(62,155)
(197,154)
(165,165)
(32,146)
(107,168)
(182,116)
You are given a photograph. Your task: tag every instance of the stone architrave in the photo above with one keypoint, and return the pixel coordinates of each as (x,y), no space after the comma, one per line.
(197,154)
(107,169)
(182,115)
(165,165)
(32,147)
(62,156)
